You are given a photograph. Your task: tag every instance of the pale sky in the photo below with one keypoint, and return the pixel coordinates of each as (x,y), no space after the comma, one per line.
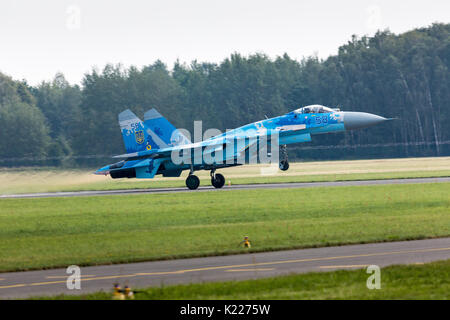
(40,38)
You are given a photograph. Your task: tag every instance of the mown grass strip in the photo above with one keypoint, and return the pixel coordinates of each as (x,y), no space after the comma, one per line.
(56,232)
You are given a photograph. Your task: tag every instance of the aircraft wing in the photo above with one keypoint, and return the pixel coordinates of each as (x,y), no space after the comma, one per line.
(208,146)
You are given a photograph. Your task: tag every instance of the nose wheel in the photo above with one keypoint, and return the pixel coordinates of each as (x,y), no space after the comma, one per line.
(284,163)
(217,180)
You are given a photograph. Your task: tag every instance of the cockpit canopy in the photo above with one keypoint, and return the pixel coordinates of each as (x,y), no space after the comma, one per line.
(315,108)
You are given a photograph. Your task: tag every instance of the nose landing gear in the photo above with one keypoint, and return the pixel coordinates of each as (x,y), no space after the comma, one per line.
(284,163)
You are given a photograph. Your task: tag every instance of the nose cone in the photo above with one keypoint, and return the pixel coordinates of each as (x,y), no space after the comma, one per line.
(358,120)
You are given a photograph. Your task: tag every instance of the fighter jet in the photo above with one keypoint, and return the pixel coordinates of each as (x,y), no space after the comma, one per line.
(156,147)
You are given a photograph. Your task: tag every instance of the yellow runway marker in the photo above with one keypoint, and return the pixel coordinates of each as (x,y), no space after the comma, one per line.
(348,266)
(160,273)
(240,270)
(298,260)
(234,266)
(13,286)
(87,279)
(64,277)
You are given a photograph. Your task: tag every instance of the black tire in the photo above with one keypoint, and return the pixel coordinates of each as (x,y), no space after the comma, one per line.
(192,182)
(284,165)
(218,181)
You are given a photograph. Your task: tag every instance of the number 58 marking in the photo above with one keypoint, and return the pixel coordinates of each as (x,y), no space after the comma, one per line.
(321,119)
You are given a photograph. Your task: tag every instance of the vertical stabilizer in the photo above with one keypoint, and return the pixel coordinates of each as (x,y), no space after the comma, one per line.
(163,129)
(134,133)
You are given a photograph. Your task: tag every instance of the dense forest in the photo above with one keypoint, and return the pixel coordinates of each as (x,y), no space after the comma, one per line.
(402,76)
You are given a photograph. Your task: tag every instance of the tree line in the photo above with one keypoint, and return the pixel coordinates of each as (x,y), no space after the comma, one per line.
(402,76)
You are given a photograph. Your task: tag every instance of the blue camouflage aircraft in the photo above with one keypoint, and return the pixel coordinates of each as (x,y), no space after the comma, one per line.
(156,147)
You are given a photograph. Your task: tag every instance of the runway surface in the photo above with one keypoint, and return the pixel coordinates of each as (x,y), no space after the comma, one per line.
(234,187)
(222,268)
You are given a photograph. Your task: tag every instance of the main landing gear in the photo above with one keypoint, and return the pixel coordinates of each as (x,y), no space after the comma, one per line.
(284,163)
(217,180)
(192,182)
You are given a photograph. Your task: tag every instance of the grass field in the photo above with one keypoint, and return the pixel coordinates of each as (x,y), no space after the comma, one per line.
(428,281)
(56,232)
(26,180)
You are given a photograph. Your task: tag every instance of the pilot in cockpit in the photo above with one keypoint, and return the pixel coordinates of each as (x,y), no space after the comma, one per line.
(314,109)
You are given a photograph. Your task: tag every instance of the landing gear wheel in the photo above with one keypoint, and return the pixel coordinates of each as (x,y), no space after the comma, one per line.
(218,180)
(284,165)
(192,182)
